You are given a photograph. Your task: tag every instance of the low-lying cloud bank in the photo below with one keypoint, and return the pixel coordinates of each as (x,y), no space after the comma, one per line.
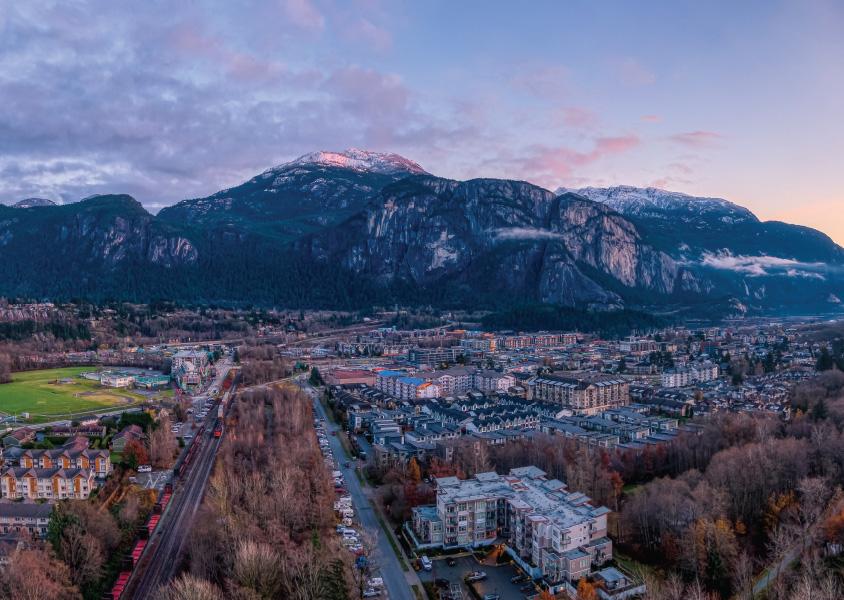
(761,266)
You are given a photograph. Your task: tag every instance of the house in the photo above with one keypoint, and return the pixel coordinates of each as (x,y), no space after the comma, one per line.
(130,432)
(19,437)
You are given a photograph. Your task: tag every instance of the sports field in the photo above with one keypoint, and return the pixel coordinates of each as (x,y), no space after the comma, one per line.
(54,394)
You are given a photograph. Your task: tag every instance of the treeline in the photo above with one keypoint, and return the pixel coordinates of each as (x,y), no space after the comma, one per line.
(771,496)
(261,364)
(266,527)
(537,317)
(60,330)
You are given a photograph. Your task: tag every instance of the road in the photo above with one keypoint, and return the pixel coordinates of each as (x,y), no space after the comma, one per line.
(162,557)
(395,582)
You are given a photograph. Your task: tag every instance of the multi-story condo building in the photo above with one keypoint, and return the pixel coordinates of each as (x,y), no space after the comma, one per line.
(492,381)
(447,382)
(50,484)
(96,461)
(583,393)
(677,378)
(549,531)
(707,371)
(433,356)
(31,518)
(685,376)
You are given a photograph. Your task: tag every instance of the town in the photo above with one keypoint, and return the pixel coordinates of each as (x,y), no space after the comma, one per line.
(463,463)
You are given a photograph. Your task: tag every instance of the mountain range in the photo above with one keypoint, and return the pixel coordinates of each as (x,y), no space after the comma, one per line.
(356,228)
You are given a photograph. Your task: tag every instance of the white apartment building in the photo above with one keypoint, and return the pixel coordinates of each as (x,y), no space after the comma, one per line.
(676,378)
(492,381)
(685,376)
(549,531)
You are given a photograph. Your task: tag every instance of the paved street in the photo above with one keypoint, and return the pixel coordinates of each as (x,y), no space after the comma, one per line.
(395,582)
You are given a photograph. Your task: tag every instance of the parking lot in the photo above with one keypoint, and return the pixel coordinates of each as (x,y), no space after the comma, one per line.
(154,480)
(496,582)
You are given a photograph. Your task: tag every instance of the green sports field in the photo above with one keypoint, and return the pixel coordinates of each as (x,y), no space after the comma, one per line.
(54,394)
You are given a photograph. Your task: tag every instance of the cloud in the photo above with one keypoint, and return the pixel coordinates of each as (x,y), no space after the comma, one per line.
(764,265)
(365,31)
(304,14)
(548,165)
(525,233)
(651,118)
(546,82)
(696,139)
(576,117)
(632,72)
(177,105)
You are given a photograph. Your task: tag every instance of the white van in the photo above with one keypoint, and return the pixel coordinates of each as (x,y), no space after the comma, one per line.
(426,563)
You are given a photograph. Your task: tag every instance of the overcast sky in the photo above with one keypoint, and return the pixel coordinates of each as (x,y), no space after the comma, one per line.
(178,99)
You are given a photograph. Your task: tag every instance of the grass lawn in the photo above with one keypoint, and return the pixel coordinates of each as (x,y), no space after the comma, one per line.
(46,398)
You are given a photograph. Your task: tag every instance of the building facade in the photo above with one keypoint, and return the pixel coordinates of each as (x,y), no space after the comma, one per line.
(551,532)
(582,393)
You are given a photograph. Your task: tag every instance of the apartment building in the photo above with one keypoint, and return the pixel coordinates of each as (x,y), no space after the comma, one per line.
(400,385)
(191,368)
(31,518)
(676,378)
(582,393)
(433,356)
(492,381)
(446,382)
(74,454)
(483,344)
(549,531)
(51,484)
(685,376)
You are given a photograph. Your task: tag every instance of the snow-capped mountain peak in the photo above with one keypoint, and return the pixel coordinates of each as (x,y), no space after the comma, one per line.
(652,202)
(33,202)
(357,160)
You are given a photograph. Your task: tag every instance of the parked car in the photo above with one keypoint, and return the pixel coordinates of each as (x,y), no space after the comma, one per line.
(441,582)
(426,563)
(370,593)
(144,468)
(476,576)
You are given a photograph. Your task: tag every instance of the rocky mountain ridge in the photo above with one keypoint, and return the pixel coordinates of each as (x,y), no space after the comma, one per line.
(339,229)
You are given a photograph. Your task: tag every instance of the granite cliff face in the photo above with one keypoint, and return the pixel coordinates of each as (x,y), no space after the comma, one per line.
(346,229)
(102,231)
(504,237)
